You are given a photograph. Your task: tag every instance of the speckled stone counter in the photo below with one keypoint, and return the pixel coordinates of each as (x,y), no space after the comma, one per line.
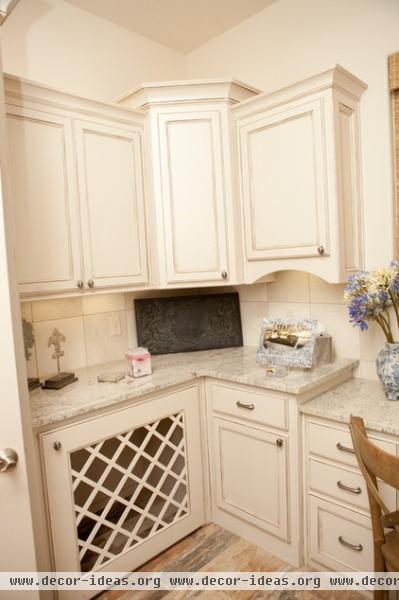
(232,364)
(360,397)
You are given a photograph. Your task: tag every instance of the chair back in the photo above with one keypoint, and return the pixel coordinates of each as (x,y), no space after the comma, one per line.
(381,464)
(375,463)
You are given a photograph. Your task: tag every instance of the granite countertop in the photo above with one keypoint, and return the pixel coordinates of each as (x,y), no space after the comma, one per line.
(360,397)
(231,364)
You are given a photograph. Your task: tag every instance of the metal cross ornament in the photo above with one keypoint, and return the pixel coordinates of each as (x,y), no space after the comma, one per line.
(55,340)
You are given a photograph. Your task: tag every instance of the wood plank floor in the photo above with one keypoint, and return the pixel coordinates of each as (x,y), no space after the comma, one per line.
(212,548)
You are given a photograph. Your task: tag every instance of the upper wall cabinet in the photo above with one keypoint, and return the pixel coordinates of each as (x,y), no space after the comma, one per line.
(300,177)
(196,214)
(77,185)
(111,196)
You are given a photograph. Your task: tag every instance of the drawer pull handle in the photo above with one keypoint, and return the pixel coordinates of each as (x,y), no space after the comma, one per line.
(348,488)
(247,406)
(345,448)
(357,547)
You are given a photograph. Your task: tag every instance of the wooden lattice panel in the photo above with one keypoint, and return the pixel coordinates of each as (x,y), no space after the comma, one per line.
(127,488)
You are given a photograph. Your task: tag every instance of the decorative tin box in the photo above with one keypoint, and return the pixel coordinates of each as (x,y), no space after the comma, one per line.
(297,343)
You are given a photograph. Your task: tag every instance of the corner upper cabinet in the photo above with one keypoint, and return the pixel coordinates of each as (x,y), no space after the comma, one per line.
(299,164)
(78,192)
(195,197)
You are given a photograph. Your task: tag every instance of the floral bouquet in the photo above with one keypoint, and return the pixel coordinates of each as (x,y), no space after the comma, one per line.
(374,296)
(371,295)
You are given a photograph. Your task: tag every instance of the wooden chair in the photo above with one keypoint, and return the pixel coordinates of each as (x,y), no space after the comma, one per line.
(376,463)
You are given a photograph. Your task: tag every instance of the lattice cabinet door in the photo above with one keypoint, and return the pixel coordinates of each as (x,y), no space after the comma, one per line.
(124,486)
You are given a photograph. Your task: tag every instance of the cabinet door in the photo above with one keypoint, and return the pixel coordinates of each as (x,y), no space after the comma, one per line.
(284,182)
(110,171)
(124,486)
(45,200)
(250,475)
(193,197)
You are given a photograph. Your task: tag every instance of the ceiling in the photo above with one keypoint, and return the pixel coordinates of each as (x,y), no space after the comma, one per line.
(179,24)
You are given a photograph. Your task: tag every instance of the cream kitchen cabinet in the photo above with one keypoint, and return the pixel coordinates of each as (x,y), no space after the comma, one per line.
(45,203)
(110,174)
(337,518)
(78,190)
(300,177)
(192,158)
(254,487)
(124,486)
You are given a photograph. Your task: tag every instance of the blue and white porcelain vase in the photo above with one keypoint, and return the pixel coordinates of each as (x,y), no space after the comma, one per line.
(388,369)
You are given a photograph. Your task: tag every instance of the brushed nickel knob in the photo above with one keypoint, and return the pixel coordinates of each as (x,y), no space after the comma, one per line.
(279,442)
(8,459)
(321,250)
(90,283)
(80,284)
(57,446)
(224,274)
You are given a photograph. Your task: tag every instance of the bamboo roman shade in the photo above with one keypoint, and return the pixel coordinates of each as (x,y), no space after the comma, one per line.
(394,88)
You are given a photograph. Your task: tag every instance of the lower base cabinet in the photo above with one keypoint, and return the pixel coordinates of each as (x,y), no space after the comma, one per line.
(252,453)
(337,523)
(124,486)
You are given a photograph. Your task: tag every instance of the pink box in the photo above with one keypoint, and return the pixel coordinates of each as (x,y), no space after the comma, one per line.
(139,360)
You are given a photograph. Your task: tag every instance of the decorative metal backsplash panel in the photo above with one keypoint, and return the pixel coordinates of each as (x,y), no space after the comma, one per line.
(188,323)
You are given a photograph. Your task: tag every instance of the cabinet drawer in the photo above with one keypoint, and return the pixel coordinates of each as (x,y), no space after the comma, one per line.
(250,404)
(340,539)
(344,485)
(335,443)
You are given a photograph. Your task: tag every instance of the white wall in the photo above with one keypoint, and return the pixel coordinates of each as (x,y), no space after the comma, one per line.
(286,42)
(293,39)
(55,43)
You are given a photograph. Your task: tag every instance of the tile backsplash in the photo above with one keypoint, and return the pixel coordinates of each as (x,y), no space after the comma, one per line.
(99,328)
(301,295)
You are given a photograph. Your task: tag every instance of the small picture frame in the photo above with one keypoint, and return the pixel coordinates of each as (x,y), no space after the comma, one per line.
(287,342)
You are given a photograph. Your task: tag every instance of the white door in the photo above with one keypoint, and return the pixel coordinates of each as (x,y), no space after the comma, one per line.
(250,475)
(125,486)
(193,196)
(16,528)
(44,195)
(284,182)
(110,169)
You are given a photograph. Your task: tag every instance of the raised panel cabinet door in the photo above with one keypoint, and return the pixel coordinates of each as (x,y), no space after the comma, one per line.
(44,196)
(193,196)
(284,183)
(250,475)
(124,486)
(110,173)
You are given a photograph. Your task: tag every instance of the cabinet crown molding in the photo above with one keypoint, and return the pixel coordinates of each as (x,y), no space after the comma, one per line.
(21,92)
(336,78)
(197,90)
